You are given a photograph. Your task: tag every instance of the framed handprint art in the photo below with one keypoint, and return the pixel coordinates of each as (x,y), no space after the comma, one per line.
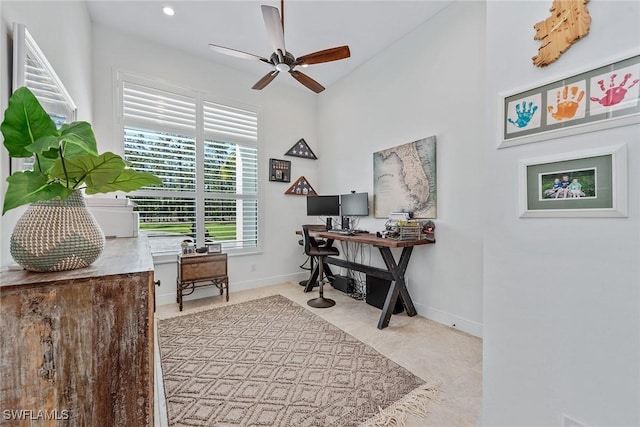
(603,97)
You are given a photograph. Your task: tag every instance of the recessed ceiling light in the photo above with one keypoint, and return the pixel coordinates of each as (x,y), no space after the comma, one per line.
(168,11)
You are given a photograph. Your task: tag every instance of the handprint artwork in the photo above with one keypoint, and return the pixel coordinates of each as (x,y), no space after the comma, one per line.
(569,103)
(522,114)
(614,94)
(599,98)
(620,92)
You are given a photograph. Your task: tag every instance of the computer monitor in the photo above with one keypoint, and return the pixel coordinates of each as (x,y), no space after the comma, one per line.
(323,205)
(354,204)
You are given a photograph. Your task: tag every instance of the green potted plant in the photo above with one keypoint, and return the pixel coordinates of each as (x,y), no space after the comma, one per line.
(66,161)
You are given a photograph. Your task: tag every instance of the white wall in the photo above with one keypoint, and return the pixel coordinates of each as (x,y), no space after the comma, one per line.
(63,32)
(561,296)
(428,83)
(287,114)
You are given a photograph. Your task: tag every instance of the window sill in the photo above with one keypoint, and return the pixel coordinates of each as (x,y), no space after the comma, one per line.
(165,249)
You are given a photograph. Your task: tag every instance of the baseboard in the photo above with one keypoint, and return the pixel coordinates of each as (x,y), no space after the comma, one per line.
(456,322)
(209,291)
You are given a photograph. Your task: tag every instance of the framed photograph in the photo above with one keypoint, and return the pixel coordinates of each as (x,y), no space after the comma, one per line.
(214,248)
(601,98)
(279,170)
(590,183)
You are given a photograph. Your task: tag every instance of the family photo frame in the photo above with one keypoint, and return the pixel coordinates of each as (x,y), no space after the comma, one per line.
(600,98)
(588,183)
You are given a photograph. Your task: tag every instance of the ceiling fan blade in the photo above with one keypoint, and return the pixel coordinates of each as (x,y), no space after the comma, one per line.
(263,82)
(272,22)
(307,81)
(327,55)
(237,53)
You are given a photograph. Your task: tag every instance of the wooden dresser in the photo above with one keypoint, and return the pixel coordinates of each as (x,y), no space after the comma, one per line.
(78,345)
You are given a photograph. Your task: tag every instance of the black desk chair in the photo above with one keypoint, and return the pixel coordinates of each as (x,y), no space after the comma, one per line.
(315,242)
(312,249)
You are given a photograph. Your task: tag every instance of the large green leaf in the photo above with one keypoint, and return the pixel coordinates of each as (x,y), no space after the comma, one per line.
(93,170)
(29,187)
(128,180)
(77,138)
(25,121)
(44,144)
(44,163)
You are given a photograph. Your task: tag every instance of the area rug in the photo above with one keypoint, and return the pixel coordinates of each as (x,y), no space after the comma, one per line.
(271,362)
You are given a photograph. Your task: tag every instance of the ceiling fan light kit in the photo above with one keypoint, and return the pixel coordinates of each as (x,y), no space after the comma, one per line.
(280,59)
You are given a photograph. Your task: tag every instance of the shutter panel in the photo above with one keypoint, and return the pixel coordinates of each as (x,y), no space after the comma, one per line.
(149,108)
(223,123)
(43,81)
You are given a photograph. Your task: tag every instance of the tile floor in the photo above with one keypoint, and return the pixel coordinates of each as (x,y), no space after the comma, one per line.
(428,349)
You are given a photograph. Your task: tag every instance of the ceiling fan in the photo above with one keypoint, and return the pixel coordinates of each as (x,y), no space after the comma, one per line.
(280,59)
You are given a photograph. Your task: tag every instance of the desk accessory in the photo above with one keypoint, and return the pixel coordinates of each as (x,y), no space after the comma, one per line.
(399,216)
(214,248)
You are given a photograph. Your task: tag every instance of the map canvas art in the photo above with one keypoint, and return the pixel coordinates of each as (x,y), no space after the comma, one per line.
(404,179)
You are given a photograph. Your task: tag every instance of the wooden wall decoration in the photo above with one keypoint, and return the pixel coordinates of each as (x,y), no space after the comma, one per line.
(301,188)
(568,23)
(301,149)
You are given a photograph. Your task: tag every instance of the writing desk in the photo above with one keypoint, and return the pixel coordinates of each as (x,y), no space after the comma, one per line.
(395,270)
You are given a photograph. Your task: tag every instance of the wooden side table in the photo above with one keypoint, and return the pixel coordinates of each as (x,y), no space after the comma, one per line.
(201,270)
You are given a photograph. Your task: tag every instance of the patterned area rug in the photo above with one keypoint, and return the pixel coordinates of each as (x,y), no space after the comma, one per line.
(271,362)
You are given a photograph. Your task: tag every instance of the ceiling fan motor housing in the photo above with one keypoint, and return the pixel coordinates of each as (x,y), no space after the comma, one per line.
(282,63)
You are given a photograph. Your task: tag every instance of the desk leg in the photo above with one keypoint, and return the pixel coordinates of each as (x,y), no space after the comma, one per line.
(398,286)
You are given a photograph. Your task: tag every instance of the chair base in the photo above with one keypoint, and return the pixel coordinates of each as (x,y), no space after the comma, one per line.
(321,302)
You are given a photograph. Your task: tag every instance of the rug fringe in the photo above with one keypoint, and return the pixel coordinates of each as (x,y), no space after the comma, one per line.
(395,415)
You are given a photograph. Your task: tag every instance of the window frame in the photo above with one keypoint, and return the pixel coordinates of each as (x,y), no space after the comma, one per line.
(201,195)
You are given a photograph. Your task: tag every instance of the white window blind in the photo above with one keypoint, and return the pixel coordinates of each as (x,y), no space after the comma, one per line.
(35,72)
(32,69)
(209,167)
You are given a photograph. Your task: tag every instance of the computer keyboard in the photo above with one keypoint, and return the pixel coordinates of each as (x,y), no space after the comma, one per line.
(347,232)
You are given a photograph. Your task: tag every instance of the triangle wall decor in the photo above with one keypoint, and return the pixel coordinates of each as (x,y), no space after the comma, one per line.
(301,149)
(301,188)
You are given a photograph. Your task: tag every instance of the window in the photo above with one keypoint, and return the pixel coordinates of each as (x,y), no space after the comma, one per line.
(32,69)
(206,154)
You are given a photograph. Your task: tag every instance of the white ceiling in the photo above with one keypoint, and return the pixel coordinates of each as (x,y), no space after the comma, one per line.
(366,26)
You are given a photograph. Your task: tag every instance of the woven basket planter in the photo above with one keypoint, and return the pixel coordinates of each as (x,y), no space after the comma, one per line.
(57,235)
